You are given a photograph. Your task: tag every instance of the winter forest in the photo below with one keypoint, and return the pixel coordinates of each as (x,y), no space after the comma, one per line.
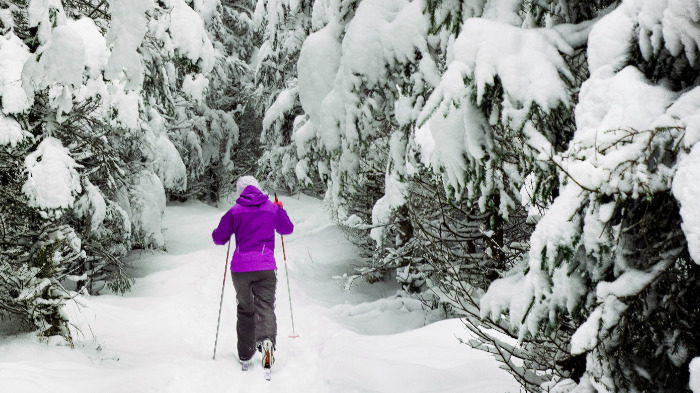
(523,165)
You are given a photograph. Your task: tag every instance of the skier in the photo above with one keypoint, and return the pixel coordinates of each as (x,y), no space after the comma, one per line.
(253,220)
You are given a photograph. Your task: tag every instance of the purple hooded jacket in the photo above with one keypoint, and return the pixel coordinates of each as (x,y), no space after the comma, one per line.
(253,220)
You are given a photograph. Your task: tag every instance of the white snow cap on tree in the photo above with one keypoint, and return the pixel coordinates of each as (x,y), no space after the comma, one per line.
(13,54)
(52,177)
(695,375)
(246,181)
(11,132)
(128,26)
(146,201)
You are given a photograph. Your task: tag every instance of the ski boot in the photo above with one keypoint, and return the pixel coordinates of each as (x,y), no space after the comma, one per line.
(245,364)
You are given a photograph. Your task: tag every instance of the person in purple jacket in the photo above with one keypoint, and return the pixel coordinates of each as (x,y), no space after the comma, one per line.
(253,221)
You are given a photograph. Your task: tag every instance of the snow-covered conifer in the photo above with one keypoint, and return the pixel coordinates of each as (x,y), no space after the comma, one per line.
(284,26)
(612,260)
(92,96)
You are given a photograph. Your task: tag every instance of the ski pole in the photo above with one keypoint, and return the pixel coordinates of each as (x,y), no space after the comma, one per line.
(221,302)
(289,291)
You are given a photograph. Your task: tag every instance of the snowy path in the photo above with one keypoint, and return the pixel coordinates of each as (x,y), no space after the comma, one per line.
(160,336)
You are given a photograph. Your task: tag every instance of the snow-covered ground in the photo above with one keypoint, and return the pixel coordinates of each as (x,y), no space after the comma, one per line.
(160,336)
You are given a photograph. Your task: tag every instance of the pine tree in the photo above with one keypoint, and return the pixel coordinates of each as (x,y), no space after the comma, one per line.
(611,261)
(89,139)
(284,25)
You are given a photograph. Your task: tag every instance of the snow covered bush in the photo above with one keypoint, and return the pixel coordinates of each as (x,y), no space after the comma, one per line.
(611,265)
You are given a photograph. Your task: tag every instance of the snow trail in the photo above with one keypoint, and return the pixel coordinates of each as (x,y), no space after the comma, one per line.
(160,336)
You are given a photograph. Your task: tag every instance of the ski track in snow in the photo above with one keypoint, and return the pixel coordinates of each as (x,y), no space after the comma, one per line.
(160,336)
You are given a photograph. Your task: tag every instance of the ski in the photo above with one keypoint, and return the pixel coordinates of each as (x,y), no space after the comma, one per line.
(268,358)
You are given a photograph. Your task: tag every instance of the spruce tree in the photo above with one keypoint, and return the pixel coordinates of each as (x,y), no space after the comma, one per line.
(91,96)
(611,261)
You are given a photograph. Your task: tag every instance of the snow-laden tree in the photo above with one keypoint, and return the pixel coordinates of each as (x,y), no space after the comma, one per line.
(283,25)
(508,80)
(351,73)
(203,117)
(89,91)
(499,109)
(449,118)
(613,263)
(365,77)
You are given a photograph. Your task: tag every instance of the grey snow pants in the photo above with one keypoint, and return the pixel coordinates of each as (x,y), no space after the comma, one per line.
(255,294)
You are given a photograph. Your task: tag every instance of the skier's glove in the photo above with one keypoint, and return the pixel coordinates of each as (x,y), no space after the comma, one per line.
(279,203)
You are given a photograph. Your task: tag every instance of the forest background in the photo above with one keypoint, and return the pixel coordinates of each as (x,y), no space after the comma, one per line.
(526,165)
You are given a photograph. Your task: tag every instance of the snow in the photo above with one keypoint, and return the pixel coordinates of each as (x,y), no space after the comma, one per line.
(556,228)
(169,166)
(333,67)
(167,162)
(673,22)
(528,299)
(610,310)
(147,206)
(39,15)
(695,375)
(91,204)
(426,144)
(615,107)
(504,10)
(586,337)
(442,146)
(189,36)
(284,103)
(11,132)
(6,17)
(382,32)
(567,288)
(530,66)
(160,336)
(630,283)
(96,53)
(126,31)
(64,60)
(52,176)
(302,137)
(528,61)
(502,296)
(686,190)
(13,54)
(206,8)
(318,63)
(395,192)
(58,65)
(126,106)
(195,87)
(606,49)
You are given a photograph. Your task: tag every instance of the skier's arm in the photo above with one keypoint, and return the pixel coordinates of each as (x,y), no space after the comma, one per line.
(283,225)
(223,232)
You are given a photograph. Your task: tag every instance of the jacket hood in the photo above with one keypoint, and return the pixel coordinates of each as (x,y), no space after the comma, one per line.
(251,196)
